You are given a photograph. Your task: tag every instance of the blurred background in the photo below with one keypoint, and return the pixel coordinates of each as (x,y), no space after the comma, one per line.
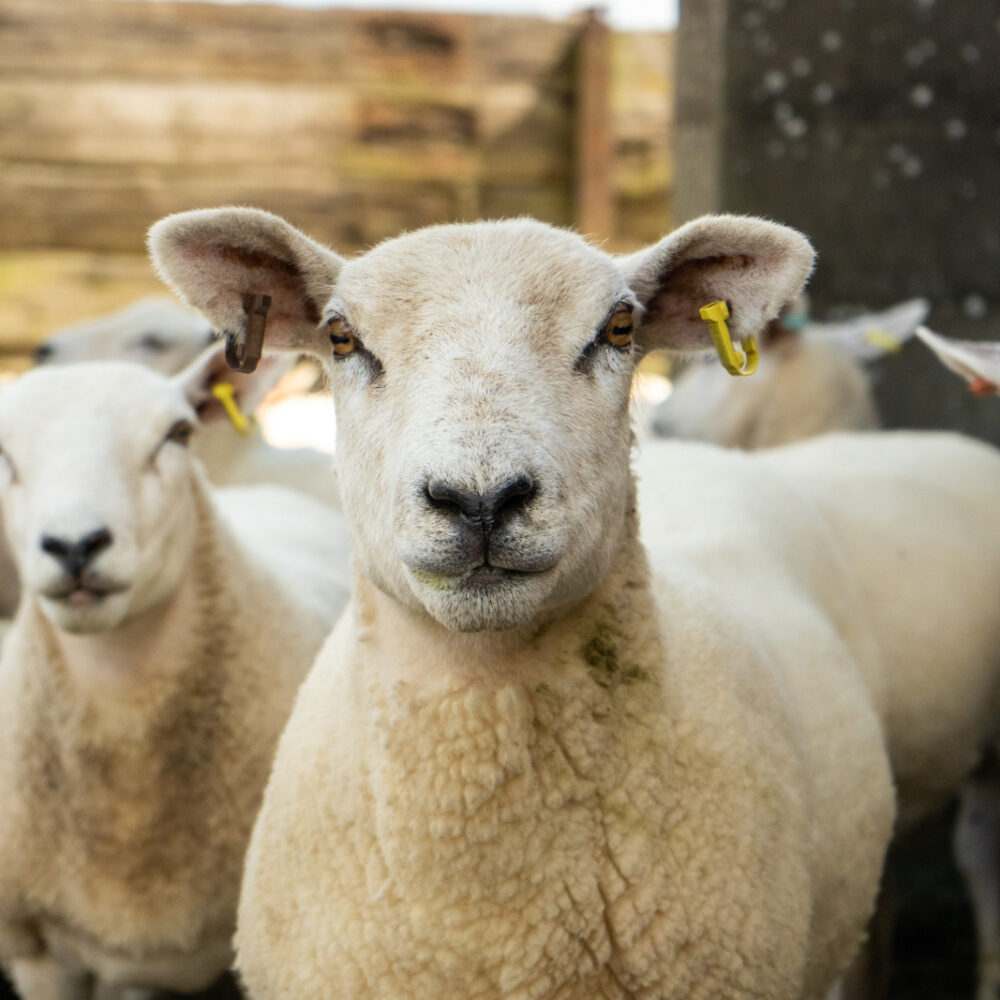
(871,125)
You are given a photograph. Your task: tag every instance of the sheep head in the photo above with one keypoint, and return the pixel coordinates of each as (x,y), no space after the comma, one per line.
(154,332)
(481,375)
(98,487)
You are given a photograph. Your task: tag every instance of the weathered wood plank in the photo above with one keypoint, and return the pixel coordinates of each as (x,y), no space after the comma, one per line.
(355,124)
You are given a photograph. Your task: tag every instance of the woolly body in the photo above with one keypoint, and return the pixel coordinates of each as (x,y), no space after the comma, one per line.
(915,517)
(658,796)
(133,758)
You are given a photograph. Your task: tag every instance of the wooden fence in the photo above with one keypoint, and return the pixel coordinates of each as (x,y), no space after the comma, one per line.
(354,124)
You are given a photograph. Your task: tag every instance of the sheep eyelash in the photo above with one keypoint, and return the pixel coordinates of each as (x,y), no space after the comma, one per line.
(606,330)
(345,344)
(180,433)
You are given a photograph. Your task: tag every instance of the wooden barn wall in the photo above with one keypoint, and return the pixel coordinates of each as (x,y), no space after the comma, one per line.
(354,124)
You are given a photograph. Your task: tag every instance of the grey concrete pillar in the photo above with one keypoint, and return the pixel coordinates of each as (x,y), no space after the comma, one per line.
(874,127)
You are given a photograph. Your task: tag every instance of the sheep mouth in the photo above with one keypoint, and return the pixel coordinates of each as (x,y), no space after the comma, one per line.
(479,578)
(485,576)
(84,593)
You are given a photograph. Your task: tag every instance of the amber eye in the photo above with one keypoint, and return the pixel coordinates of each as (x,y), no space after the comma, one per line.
(341,336)
(618,331)
(180,433)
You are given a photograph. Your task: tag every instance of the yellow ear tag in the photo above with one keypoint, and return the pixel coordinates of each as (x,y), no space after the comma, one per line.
(225,393)
(878,337)
(715,315)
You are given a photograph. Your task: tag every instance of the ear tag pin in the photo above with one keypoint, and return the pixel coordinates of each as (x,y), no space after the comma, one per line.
(244,358)
(225,393)
(715,315)
(880,338)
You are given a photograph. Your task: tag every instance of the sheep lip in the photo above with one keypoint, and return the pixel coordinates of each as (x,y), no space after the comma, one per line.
(79,594)
(487,576)
(483,577)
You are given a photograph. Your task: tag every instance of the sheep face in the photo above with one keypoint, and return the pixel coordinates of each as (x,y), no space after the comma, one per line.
(96,484)
(152,332)
(481,376)
(467,410)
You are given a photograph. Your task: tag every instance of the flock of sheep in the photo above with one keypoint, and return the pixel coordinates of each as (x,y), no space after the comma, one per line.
(507,708)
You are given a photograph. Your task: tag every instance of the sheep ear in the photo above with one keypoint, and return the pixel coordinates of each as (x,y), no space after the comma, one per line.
(977,361)
(198,380)
(225,261)
(755,266)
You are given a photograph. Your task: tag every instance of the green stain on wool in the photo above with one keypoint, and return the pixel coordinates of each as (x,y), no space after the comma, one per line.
(601,655)
(436,581)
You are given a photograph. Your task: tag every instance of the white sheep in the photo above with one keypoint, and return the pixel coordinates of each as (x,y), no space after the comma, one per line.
(153,661)
(807,383)
(525,765)
(159,333)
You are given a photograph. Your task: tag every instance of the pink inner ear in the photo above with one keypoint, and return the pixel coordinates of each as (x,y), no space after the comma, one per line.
(243,271)
(693,285)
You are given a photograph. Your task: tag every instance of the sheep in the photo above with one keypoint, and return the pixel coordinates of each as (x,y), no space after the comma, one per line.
(155,332)
(159,333)
(807,383)
(530,761)
(153,661)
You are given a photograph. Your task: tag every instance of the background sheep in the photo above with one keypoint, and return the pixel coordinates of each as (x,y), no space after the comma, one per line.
(521,767)
(808,382)
(161,334)
(153,661)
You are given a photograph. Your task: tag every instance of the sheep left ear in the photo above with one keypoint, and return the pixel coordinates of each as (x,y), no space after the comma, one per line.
(261,282)
(755,266)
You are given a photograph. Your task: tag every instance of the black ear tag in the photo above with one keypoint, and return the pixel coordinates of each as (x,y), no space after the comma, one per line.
(245,357)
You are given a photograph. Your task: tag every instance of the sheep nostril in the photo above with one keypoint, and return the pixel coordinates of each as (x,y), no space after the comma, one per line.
(58,548)
(512,495)
(94,542)
(452,499)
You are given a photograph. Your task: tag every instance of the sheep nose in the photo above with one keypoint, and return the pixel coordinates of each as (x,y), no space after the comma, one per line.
(486,509)
(42,353)
(74,556)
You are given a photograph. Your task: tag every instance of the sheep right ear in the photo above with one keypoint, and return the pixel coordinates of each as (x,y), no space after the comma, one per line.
(250,272)
(754,265)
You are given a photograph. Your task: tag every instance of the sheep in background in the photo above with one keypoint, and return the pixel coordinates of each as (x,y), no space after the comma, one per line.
(164,630)
(159,333)
(155,332)
(523,766)
(808,382)
(977,832)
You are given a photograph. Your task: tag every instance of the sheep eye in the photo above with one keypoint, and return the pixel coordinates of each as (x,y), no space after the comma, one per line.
(153,342)
(618,329)
(342,337)
(180,433)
